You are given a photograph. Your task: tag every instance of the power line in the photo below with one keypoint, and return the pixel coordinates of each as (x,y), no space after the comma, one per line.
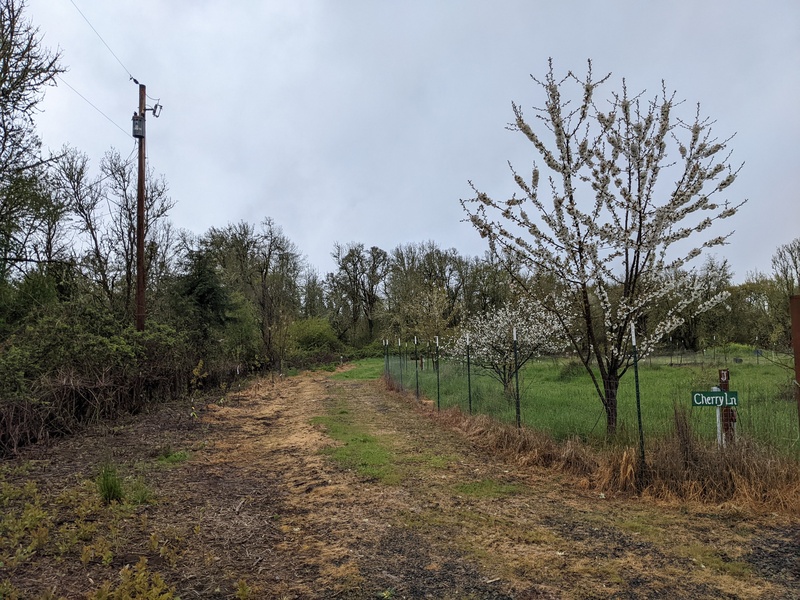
(102,40)
(85,99)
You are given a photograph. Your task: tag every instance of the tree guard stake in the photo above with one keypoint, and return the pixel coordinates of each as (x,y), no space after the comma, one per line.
(638,403)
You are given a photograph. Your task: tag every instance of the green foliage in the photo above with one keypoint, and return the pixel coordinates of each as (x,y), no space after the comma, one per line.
(75,364)
(172,457)
(24,523)
(8,591)
(243,591)
(201,300)
(241,340)
(570,370)
(314,335)
(138,492)
(109,484)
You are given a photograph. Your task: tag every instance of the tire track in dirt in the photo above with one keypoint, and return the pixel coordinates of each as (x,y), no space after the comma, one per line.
(338,530)
(350,536)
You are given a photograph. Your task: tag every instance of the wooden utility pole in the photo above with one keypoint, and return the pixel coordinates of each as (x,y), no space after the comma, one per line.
(794,309)
(140,279)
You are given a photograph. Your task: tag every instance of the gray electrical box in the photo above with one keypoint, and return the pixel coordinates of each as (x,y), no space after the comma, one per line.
(138,125)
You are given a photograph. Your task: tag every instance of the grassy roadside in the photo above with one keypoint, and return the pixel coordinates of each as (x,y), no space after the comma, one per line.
(542,529)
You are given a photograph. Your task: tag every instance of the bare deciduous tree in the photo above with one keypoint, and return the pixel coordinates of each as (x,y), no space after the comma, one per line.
(26,69)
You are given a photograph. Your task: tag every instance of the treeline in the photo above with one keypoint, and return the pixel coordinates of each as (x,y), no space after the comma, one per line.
(424,290)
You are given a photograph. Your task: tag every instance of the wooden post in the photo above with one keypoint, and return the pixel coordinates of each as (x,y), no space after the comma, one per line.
(140,279)
(726,416)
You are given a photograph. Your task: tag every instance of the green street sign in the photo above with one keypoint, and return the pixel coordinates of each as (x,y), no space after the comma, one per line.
(715,399)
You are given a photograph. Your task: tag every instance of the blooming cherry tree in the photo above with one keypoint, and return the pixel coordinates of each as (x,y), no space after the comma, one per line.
(631,195)
(491,339)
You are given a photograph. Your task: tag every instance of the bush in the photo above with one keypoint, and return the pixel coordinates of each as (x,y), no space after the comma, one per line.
(570,370)
(74,365)
(314,335)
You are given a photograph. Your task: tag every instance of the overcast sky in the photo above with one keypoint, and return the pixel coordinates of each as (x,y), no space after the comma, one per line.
(363,120)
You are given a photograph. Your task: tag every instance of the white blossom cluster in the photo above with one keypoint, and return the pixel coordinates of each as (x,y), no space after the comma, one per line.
(490,337)
(630,199)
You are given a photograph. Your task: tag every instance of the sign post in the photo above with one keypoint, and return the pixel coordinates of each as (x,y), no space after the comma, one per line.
(725,403)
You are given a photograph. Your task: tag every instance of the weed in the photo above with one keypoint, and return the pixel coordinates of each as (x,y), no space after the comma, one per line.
(87,554)
(24,523)
(109,484)
(138,492)
(243,591)
(199,375)
(8,591)
(136,582)
(170,457)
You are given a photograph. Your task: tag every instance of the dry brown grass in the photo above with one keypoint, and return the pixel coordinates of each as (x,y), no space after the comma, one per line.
(680,467)
(744,472)
(526,447)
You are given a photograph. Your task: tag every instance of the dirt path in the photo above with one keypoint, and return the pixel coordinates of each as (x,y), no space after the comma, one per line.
(270,505)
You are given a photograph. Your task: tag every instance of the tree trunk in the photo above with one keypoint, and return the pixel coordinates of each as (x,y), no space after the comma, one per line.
(610,387)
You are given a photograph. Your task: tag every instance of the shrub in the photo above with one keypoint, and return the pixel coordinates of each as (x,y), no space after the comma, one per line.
(314,335)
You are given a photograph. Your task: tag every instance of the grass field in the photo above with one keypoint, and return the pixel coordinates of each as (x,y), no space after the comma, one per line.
(558,396)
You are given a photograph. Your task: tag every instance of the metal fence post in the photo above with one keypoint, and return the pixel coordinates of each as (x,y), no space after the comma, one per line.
(400,356)
(469,379)
(416,366)
(516,378)
(438,400)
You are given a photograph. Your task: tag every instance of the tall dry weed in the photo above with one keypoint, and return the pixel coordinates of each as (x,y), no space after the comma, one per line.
(679,467)
(617,471)
(524,446)
(682,466)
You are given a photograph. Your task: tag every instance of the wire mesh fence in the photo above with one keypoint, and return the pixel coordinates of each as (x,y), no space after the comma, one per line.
(556,394)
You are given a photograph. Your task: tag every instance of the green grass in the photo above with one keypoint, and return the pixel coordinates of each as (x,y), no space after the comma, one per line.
(369,368)
(710,558)
(167,456)
(367,454)
(109,484)
(558,397)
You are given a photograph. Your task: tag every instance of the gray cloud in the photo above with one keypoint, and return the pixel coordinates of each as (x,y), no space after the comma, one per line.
(364,120)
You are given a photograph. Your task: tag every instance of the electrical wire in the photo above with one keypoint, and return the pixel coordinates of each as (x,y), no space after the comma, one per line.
(85,99)
(127,71)
(132,78)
